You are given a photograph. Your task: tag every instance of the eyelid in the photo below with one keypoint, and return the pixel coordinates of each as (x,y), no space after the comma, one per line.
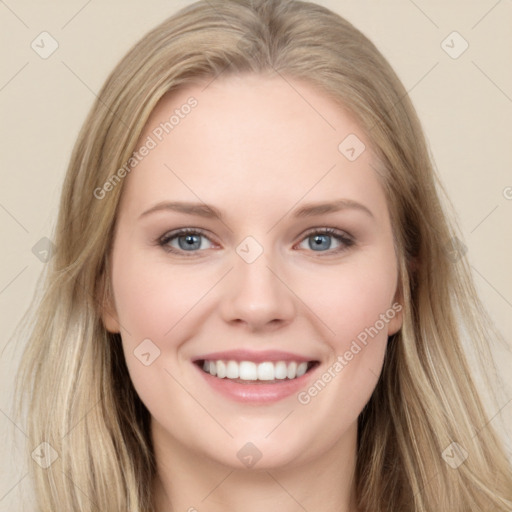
(330,231)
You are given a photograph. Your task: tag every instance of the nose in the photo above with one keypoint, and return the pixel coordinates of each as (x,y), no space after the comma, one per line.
(256,295)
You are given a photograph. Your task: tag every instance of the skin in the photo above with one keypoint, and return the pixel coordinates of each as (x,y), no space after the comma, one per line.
(256,150)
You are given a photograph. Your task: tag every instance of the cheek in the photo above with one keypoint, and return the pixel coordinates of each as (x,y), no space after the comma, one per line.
(358,308)
(151,299)
(355,298)
(155,306)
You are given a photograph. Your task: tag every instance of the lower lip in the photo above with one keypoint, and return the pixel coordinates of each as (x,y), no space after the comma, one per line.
(259,392)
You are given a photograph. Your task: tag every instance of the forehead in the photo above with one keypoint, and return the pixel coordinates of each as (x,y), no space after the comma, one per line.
(250,141)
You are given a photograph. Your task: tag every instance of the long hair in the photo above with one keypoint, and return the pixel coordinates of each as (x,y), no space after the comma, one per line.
(425,412)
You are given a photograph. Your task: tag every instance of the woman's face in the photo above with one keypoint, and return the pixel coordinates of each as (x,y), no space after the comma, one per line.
(261,292)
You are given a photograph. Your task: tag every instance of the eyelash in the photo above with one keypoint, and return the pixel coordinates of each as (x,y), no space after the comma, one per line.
(346,240)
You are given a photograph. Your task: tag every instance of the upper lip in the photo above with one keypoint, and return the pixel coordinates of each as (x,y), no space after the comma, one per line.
(256,357)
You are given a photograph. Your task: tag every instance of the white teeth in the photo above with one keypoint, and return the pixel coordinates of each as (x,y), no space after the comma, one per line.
(232,371)
(281,370)
(292,370)
(266,371)
(248,370)
(301,369)
(221,369)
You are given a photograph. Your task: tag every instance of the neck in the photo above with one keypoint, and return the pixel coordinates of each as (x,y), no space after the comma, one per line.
(188,481)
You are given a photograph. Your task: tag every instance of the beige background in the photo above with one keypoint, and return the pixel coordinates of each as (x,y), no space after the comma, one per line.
(465,104)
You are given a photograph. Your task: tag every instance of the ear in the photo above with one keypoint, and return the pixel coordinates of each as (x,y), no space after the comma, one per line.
(107,308)
(397,307)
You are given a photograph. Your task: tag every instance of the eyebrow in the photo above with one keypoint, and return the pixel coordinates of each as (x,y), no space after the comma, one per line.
(210,212)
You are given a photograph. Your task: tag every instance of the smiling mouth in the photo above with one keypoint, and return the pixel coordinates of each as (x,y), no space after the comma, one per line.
(249,372)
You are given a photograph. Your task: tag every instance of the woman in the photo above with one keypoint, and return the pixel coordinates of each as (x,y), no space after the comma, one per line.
(196,347)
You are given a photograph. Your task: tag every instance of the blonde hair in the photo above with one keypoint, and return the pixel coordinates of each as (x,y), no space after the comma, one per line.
(73,379)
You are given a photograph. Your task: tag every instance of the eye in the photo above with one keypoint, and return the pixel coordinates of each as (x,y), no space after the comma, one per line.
(320,240)
(187,239)
(191,240)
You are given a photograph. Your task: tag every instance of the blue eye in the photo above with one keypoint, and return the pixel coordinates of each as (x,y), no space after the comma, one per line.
(188,240)
(321,240)
(191,240)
